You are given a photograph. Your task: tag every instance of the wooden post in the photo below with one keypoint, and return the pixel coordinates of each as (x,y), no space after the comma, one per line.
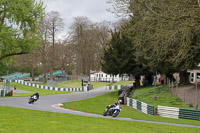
(184,95)
(196,95)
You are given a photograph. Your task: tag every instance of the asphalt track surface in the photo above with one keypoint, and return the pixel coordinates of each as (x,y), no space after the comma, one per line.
(51,103)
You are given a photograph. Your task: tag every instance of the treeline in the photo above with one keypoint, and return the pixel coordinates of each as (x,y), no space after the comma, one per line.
(79,52)
(158,36)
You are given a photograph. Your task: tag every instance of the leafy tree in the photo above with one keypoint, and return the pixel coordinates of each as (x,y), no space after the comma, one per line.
(120,57)
(18,24)
(165,33)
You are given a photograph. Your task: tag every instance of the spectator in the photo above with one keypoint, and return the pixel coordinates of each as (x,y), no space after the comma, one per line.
(15,87)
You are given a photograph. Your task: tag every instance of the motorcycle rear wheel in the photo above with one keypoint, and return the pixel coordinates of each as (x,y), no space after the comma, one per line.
(105,113)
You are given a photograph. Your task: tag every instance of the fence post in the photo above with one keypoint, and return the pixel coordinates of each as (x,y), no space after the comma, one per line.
(196,95)
(176,88)
(184,94)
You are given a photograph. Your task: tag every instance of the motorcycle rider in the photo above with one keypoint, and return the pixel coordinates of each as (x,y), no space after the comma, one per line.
(35,96)
(116,103)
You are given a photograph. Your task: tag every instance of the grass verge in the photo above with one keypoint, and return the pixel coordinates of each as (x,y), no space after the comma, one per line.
(47,122)
(77,84)
(123,83)
(33,90)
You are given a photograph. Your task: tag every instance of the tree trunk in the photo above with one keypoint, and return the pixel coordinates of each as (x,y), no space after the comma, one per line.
(184,77)
(137,81)
(44,72)
(51,73)
(33,76)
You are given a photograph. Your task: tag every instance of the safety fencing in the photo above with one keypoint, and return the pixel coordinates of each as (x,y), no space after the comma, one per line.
(117,87)
(84,88)
(164,111)
(178,113)
(143,107)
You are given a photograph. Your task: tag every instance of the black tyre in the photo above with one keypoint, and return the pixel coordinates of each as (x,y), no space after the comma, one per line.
(115,114)
(31,101)
(105,113)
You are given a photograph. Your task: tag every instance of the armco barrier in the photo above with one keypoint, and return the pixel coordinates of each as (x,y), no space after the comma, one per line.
(1,93)
(170,112)
(143,107)
(178,113)
(117,87)
(189,114)
(84,88)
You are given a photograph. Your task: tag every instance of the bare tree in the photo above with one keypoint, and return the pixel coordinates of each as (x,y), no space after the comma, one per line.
(89,40)
(55,25)
(29,61)
(44,46)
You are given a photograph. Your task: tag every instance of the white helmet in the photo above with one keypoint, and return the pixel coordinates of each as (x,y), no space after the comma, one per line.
(120,101)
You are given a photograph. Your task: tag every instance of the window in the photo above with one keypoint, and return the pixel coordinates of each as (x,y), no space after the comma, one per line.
(198,75)
(192,77)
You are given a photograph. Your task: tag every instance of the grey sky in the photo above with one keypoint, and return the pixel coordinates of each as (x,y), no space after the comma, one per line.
(95,10)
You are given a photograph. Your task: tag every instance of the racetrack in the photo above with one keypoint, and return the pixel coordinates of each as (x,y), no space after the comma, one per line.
(50,103)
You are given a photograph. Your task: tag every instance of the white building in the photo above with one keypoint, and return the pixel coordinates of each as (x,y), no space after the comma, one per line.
(104,77)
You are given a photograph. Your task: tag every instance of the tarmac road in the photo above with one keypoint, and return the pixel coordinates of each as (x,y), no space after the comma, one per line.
(51,103)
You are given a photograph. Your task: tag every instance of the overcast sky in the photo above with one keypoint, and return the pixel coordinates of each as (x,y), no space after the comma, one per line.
(95,10)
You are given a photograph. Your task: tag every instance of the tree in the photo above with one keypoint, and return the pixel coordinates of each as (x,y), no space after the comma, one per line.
(55,24)
(43,46)
(167,33)
(89,40)
(27,63)
(120,57)
(18,24)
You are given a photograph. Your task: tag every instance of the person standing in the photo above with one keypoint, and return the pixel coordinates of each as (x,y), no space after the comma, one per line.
(15,87)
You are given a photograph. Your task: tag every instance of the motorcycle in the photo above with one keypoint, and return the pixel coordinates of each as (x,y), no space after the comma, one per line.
(32,99)
(112,111)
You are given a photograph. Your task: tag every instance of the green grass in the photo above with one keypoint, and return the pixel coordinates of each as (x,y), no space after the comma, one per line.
(77,84)
(165,98)
(69,84)
(123,83)
(34,90)
(47,122)
(98,104)
(45,84)
(98,84)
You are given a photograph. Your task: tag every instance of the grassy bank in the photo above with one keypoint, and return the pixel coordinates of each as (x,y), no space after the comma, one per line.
(158,96)
(47,122)
(99,103)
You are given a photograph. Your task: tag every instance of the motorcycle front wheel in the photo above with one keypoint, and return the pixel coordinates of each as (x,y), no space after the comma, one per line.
(115,114)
